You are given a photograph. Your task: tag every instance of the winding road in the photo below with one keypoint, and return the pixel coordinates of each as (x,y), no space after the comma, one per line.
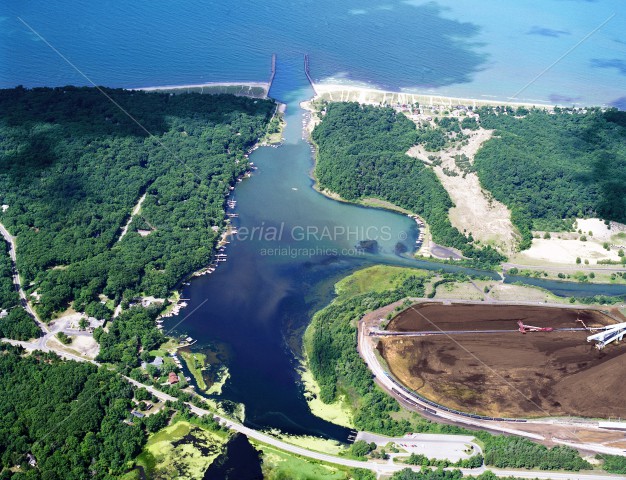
(434,442)
(10,239)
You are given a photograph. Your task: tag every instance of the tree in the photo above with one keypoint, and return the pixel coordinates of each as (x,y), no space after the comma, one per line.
(360,448)
(18,325)
(63,338)
(613,463)
(83,324)
(584,173)
(71,424)
(100,163)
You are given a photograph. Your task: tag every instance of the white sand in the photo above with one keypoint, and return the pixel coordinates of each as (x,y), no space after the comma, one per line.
(600,230)
(208,84)
(475,210)
(556,250)
(346,92)
(565,247)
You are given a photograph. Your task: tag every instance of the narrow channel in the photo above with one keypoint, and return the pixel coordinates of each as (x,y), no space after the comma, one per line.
(293,244)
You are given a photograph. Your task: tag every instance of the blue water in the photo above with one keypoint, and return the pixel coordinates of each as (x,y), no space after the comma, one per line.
(457,47)
(254,308)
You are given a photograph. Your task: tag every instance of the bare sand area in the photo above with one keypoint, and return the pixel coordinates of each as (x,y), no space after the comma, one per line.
(247,89)
(475,210)
(587,242)
(354,93)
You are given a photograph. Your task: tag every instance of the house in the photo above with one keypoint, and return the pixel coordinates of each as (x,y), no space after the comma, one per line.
(172,378)
(137,414)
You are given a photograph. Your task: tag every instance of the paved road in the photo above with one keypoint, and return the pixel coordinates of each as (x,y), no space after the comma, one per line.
(566,268)
(442,447)
(380,468)
(16,278)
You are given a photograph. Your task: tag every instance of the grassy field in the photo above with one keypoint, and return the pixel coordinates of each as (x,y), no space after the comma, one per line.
(458,291)
(195,363)
(281,465)
(375,279)
(181,450)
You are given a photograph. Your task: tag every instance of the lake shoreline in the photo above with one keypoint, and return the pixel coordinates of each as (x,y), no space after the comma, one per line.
(243,89)
(198,85)
(372,95)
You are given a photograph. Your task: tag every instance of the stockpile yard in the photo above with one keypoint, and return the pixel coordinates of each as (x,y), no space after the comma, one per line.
(508,360)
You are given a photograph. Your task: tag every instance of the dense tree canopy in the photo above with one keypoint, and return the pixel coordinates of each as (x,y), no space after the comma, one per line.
(19,325)
(133,330)
(73,165)
(362,153)
(68,415)
(8,294)
(551,167)
(515,452)
(613,463)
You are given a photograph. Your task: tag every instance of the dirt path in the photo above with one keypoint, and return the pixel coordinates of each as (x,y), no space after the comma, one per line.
(133,214)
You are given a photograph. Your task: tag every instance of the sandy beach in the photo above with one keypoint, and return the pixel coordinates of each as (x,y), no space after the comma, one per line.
(250,89)
(367,95)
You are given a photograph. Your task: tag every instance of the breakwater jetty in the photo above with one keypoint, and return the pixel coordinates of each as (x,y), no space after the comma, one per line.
(272,74)
(307,72)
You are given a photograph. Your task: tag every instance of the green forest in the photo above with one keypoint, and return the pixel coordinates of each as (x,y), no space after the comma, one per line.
(73,165)
(427,474)
(548,168)
(69,416)
(330,344)
(362,153)
(133,331)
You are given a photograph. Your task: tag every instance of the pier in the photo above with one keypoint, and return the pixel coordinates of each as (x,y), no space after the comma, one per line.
(307,72)
(272,74)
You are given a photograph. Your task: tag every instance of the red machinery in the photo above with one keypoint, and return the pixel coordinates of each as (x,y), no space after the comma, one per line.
(529,328)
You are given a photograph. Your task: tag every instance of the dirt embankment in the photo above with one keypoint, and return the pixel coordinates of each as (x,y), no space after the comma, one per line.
(536,374)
